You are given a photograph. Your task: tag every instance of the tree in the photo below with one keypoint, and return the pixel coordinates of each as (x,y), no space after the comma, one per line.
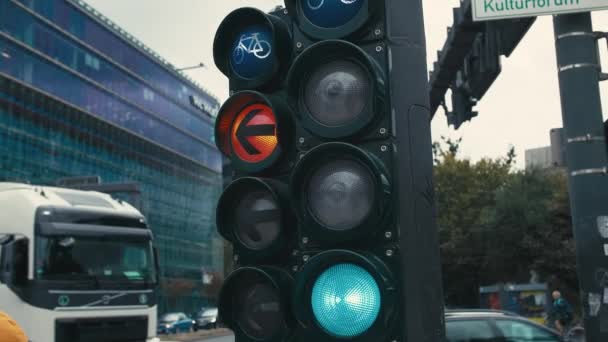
(463,190)
(529,228)
(497,225)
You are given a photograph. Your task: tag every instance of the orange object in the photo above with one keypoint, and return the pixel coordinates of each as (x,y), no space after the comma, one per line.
(10,330)
(254,133)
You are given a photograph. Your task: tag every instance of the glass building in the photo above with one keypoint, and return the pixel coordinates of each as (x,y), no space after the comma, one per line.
(81,97)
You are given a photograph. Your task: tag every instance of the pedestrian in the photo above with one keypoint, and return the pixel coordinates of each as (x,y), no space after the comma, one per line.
(10,330)
(561,312)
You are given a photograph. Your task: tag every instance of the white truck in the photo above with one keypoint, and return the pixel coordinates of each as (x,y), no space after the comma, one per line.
(76,266)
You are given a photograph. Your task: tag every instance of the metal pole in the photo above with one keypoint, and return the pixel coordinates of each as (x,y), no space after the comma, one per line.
(200,65)
(579,70)
(422,305)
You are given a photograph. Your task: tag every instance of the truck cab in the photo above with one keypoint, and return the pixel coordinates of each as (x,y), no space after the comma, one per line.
(76,265)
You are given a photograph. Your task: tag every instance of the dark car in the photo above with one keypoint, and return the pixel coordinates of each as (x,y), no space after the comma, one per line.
(206,319)
(494,326)
(174,323)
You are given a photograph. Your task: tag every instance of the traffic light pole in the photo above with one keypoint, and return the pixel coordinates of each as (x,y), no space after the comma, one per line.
(578,66)
(416,213)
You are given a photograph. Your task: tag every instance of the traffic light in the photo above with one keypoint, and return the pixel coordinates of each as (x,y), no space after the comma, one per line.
(329,219)
(462,107)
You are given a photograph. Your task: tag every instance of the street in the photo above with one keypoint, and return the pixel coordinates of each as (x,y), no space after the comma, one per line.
(186,338)
(219,339)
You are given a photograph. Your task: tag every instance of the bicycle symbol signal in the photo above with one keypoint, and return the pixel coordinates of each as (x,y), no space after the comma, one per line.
(316,4)
(252,44)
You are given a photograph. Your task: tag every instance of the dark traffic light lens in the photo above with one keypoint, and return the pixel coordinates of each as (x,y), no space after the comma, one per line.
(337,92)
(331,13)
(346,300)
(254,304)
(341,194)
(252,52)
(337,89)
(257,220)
(255,217)
(259,311)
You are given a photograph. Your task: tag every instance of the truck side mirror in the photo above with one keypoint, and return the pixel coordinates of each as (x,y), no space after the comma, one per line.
(14,262)
(156,265)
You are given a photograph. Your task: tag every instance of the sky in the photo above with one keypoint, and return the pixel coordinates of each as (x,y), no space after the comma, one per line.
(519,109)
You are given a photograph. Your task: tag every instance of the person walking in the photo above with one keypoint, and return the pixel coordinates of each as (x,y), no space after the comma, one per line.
(10,330)
(561,312)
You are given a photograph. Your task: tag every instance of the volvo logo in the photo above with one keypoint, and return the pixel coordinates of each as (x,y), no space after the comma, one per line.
(106,299)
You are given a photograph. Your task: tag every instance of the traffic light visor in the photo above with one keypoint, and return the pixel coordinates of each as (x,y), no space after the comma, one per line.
(331,13)
(250,130)
(331,19)
(252,48)
(254,303)
(345,300)
(336,88)
(250,215)
(340,192)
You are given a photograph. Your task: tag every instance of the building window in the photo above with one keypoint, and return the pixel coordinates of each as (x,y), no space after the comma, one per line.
(148,94)
(91,61)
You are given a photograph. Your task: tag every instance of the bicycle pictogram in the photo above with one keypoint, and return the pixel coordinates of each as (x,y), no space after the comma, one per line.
(251,44)
(316,4)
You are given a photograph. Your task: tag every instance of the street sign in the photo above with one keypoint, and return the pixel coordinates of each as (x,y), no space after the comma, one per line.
(508,9)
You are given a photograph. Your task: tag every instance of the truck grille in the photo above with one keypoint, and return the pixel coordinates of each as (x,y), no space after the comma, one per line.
(113,329)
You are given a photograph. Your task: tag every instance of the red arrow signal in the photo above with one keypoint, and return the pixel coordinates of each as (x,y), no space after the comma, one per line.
(254,133)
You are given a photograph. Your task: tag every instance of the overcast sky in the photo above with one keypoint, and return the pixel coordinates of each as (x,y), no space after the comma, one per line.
(519,109)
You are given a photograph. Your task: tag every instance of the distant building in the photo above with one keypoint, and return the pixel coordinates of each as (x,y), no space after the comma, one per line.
(79,96)
(553,156)
(539,158)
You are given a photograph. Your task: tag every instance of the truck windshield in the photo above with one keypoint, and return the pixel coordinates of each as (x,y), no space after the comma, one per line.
(63,258)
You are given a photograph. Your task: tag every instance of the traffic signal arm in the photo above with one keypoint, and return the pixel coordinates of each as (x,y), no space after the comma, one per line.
(470,58)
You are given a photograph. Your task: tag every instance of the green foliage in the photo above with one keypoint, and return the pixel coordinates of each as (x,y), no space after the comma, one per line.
(497,224)
(532,226)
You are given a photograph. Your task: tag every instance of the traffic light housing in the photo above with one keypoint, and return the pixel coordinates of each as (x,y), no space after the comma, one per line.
(331,173)
(462,107)
(330,19)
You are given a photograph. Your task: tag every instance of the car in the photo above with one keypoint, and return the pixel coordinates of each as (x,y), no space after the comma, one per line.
(174,323)
(206,319)
(495,326)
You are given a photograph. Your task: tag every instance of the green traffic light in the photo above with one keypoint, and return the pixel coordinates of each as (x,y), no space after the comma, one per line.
(346,300)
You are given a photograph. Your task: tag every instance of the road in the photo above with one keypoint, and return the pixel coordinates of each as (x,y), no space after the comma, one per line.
(190,338)
(219,339)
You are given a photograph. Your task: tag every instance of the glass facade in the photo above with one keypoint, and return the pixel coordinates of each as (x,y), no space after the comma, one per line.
(78,97)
